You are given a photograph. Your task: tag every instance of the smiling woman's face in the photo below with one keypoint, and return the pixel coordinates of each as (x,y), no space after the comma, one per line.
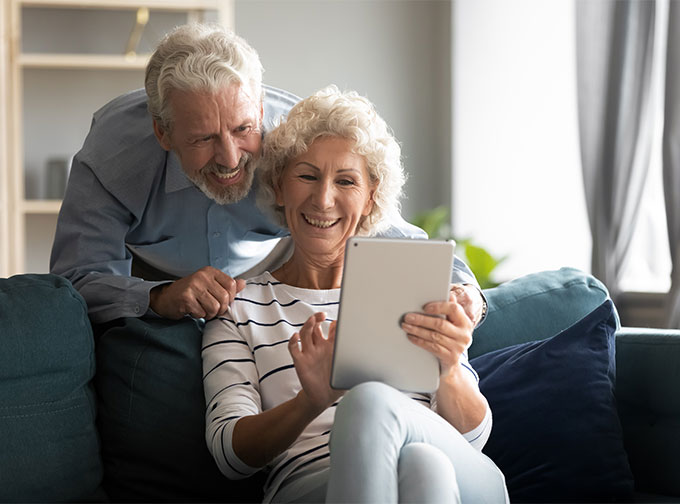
(325,193)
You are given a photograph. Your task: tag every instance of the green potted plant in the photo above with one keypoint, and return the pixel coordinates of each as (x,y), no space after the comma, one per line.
(435,223)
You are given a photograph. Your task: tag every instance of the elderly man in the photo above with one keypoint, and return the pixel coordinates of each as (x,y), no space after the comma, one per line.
(159,217)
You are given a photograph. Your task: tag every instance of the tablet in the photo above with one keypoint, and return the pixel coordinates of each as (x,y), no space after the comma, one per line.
(382,280)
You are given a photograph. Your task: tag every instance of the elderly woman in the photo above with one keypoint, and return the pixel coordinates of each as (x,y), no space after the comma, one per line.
(331,171)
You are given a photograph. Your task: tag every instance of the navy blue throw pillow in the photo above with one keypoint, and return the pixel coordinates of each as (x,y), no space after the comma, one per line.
(556,434)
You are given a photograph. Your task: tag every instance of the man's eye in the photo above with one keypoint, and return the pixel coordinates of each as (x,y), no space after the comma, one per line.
(243,130)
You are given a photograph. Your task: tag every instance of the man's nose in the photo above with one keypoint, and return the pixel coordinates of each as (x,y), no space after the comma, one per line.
(227,151)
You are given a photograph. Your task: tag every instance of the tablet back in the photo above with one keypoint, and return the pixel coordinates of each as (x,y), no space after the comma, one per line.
(383,279)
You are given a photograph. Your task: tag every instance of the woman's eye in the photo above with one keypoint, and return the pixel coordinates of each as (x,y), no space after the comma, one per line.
(346,182)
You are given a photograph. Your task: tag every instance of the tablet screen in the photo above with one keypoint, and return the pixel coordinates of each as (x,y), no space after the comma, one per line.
(382,280)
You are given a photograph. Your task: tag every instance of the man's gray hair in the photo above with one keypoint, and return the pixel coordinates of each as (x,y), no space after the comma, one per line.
(199,57)
(332,113)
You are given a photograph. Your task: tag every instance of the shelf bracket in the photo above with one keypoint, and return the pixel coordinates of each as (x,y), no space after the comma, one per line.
(141,20)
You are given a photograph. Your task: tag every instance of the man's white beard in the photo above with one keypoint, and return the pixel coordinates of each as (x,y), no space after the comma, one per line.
(228,194)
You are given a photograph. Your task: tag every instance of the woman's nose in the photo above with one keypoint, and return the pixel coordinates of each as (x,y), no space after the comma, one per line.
(324,195)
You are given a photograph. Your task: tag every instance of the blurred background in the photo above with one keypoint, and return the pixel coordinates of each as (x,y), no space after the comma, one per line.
(490,100)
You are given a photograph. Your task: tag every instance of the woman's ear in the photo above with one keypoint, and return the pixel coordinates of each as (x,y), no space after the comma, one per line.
(278,192)
(368,208)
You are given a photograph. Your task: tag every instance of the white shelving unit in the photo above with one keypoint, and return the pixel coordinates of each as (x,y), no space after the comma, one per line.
(51,82)
(4,141)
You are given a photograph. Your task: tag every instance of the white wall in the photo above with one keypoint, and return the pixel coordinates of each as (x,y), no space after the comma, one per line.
(517,185)
(395,52)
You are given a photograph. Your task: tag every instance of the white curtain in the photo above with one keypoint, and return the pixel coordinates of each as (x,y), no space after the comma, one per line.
(671,157)
(615,47)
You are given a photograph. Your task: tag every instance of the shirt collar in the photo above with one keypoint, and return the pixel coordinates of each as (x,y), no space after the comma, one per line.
(175,178)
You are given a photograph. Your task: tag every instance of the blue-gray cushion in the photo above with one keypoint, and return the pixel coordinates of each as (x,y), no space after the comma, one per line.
(152,415)
(556,433)
(49,450)
(535,307)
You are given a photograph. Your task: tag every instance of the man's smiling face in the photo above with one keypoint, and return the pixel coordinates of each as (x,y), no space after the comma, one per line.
(217,138)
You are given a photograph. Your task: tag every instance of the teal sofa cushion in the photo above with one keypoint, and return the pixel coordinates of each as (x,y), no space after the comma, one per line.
(535,307)
(152,416)
(49,449)
(647,389)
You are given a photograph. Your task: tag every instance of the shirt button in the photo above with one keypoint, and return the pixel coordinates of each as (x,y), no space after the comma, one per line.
(216,234)
(137,309)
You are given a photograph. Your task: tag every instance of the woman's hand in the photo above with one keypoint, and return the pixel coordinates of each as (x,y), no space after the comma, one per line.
(470,298)
(443,329)
(258,439)
(313,356)
(459,400)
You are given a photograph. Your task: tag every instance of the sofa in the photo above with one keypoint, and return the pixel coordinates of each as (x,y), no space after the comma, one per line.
(584,410)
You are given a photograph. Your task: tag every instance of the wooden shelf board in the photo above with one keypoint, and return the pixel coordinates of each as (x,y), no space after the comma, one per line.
(86,61)
(125,4)
(41,206)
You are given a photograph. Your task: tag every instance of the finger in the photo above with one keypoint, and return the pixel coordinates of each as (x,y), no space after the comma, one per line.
(452,310)
(440,330)
(214,299)
(222,297)
(306,332)
(430,322)
(240,284)
(331,331)
(295,346)
(468,305)
(426,334)
(472,301)
(457,291)
(210,305)
(227,283)
(192,297)
(317,333)
(442,353)
(187,304)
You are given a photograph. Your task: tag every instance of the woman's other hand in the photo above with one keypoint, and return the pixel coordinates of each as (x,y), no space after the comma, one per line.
(448,336)
(313,356)
(444,329)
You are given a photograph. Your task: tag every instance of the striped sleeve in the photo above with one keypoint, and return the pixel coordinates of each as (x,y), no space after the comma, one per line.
(478,436)
(230,383)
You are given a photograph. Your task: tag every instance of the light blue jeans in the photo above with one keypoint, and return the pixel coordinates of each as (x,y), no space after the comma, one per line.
(385,447)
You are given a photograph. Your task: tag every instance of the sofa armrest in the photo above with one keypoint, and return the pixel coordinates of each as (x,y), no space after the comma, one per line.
(49,451)
(647,391)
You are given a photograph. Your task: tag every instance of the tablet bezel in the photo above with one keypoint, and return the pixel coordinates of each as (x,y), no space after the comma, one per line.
(391,277)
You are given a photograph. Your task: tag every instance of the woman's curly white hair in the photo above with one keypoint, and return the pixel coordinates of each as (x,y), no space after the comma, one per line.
(332,113)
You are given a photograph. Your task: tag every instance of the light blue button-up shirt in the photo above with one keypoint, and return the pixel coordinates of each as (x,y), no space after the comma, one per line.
(128,197)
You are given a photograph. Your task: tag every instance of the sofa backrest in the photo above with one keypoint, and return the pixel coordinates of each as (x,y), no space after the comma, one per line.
(535,307)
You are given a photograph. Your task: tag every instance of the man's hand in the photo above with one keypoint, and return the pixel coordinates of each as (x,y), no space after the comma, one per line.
(204,294)
(469,297)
